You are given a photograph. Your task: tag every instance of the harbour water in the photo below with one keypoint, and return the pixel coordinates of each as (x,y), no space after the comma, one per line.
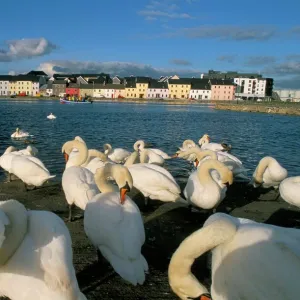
(251,135)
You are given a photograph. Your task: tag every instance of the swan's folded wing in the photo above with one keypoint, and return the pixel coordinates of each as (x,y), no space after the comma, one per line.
(52,241)
(3,222)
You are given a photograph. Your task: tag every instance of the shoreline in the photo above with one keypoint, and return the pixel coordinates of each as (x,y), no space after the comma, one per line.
(291,110)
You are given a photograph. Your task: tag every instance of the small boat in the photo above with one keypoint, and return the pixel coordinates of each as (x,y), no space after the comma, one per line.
(51,117)
(63,101)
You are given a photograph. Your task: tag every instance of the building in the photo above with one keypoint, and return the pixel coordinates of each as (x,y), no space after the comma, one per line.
(4,85)
(130,89)
(43,90)
(142,84)
(59,87)
(289,95)
(228,75)
(98,90)
(200,90)
(24,85)
(253,88)
(49,90)
(222,89)
(117,80)
(86,90)
(179,88)
(72,89)
(158,90)
(113,91)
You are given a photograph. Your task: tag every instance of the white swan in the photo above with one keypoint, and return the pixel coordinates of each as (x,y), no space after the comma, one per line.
(113,223)
(205,144)
(289,190)
(36,259)
(51,117)
(96,159)
(154,182)
(19,134)
(268,173)
(73,153)
(205,191)
(248,261)
(187,145)
(148,155)
(117,155)
(77,182)
(140,144)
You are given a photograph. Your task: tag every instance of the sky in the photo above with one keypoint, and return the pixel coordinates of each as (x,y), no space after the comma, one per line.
(152,38)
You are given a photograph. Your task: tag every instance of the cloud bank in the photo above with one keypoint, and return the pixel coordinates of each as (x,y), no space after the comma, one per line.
(25,49)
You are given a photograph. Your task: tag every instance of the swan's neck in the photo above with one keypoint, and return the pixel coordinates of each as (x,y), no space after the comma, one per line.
(139,145)
(182,281)
(204,174)
(132,159)
(92,153)
(144,156)
(101,179)
(262,166)
(15,231)
(107,149)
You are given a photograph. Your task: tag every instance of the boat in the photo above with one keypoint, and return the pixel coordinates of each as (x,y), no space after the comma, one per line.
(63,101)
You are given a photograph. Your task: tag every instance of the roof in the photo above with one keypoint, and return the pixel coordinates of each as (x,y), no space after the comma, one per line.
(73,85)
(86,86)
(180,81)
(131,84)
(114,86)
(37,73)
(158,85)
(143,79)
(59,82)
(201,85)
(43,87)
(49,85)
(5,77)
(98,80)
(25,78)
(221,82)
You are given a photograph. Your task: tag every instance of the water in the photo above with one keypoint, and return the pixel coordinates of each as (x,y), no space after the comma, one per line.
(251,135)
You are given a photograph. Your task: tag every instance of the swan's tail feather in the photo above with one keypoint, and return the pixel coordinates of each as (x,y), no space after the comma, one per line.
(51,176)
(165,208)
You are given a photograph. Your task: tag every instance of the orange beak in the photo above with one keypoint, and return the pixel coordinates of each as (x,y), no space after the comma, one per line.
(66,156)
(196,162)
(205,297)
(175,155)
(123,192)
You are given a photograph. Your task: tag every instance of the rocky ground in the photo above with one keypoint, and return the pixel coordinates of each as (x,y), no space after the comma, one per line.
(97,281)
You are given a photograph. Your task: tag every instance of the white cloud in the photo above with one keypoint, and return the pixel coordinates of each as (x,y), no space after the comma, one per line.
(112,68)
(25,48)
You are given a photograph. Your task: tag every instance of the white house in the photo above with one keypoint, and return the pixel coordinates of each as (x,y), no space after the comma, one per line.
(251,87)
(158,90)
(289,95)
(4,85)
(200,90)
(35,87)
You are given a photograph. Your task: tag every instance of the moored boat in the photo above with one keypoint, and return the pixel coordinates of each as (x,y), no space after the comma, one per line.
(63,101)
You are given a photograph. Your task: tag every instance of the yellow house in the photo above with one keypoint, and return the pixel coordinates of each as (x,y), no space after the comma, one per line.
(24,84)
(179,88)
(98,90)
(130,90)
(86,90)
(142,84)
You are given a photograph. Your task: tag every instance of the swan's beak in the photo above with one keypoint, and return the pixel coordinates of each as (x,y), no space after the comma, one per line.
(123,192)
(202,297)
(196,162)
(175,155)
(66,156)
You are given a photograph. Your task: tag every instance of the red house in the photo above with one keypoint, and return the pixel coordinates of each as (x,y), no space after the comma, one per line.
(72,89)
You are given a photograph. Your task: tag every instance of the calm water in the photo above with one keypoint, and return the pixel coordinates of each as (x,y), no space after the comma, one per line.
(251,135)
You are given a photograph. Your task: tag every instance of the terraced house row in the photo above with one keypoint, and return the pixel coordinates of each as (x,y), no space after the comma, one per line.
(211,86)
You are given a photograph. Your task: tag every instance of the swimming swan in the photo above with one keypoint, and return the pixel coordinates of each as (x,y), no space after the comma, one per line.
(36,259)
(114,225)
(77,182)
(19,134)
(205,144)
(51,117)
(248,261)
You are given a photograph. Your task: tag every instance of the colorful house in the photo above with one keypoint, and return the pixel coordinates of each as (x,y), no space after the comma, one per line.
(72,89)
(130,89)
(200,90)
(4,85)
(179,88)
(142,84)
(157,90)
(222,89)
(24,85)
(86,90)
(98,90)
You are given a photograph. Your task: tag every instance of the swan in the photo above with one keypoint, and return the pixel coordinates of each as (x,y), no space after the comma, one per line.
(77,182)
(268,173)
(96,159)
(36,255)
(250,260)
(117,155)
(19,134)
(205,191)
(148,155)
(140,144)
(51,117)
(30,170)
(114,225)
(187,145)
(154,182)
(205,144)
(289,190)
(29,150)
(74,152)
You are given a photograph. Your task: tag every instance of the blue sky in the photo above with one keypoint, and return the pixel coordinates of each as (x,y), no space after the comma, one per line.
(144,37)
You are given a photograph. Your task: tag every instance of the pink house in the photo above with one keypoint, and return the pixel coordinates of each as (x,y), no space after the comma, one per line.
(222,89)
(157,90)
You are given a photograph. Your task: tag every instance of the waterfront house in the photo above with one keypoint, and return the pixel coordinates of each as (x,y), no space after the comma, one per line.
(98,90)
(130,89)
(43,90)
(200,90)
(222,89)
(72,89)
(142,84)
(112,91)
(117,80)
(4,85)
(119,91)
(179,88)
(86,90)
(49,90)
(158,90)
(24,85)
(59,87)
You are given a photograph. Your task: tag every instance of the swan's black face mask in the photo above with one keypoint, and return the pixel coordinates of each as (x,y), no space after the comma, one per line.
(202,297)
